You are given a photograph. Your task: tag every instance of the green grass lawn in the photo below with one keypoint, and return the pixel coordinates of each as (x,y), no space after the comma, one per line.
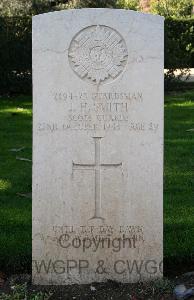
(15,177)
(178,179)
(15,180)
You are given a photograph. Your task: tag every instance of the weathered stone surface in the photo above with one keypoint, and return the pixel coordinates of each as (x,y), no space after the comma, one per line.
(98,146)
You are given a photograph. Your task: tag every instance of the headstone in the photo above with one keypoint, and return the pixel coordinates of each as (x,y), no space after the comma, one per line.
(97,146)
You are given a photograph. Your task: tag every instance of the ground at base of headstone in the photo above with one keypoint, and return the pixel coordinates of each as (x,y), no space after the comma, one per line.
(19,287)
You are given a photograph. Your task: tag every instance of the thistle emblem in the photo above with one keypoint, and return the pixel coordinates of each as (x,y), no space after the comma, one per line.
(98,54)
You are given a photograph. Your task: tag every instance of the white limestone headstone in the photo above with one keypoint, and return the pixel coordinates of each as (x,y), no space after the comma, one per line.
(97,146)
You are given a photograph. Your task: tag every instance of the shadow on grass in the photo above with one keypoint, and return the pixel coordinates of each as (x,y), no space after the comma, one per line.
(15,177)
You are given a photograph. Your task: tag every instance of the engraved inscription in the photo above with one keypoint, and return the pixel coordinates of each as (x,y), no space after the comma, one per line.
(91,111)
(130,97)
(81,123)
(94,238)
(98,54)
(96,167)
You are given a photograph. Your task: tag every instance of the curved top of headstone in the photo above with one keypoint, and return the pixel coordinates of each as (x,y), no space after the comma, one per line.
(97,10)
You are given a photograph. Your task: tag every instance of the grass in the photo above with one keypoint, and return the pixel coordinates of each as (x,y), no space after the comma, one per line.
(21,292)
(178,171)
(161,289)
(15,177)
(15,181)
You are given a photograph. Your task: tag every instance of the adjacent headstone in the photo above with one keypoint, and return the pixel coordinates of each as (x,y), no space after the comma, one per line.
(98,146)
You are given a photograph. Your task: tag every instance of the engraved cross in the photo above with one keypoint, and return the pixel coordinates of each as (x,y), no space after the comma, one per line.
(96,167)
